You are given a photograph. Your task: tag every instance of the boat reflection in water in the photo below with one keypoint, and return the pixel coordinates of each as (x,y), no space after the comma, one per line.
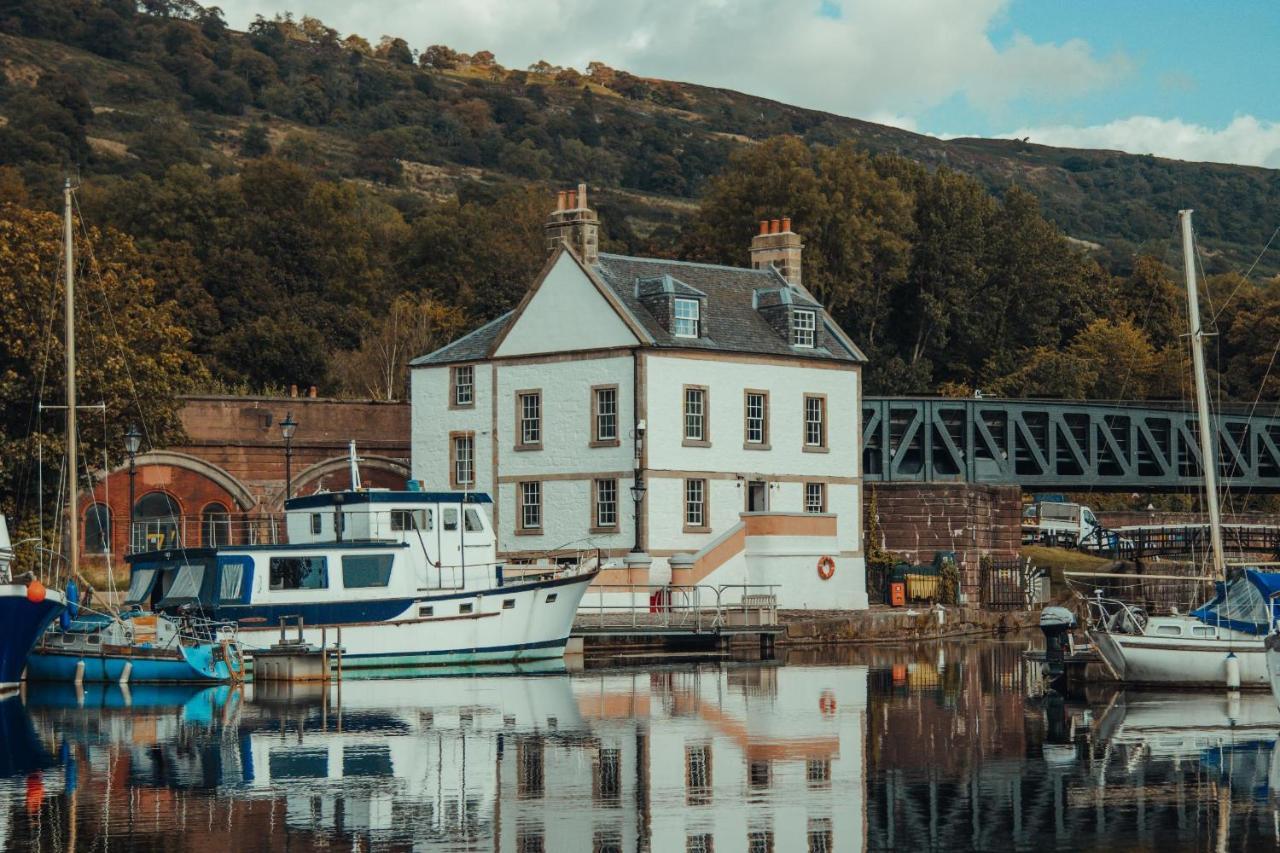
(723,757)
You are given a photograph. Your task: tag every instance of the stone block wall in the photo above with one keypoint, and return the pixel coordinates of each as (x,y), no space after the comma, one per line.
(918,519)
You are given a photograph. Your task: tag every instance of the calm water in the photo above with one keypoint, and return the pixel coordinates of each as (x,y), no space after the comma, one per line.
(938,747)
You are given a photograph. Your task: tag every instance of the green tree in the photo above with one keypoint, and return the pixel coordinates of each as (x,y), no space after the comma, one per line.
(411,327)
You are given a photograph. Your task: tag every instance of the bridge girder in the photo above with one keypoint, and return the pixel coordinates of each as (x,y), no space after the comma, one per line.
(1055,445)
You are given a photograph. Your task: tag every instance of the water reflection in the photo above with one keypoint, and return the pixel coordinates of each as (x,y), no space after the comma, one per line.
(733,757)
(934,747)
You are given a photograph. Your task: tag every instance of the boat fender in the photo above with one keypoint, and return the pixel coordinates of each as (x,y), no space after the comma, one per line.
(35,591)
(73,599)
(1233,671)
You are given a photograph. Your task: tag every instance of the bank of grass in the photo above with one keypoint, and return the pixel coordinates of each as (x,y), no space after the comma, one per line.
(95,572)
(1059,560)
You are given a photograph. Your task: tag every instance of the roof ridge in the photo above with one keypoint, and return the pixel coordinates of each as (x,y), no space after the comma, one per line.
(698,264)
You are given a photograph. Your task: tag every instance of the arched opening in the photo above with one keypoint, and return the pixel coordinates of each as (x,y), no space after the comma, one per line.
(97,529)
(156,520)
(216,525)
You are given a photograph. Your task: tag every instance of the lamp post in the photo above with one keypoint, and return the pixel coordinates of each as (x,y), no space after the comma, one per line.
(638,487)
(287,426)
(132,441)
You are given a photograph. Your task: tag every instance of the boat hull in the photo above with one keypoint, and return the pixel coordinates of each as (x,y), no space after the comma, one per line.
(524,622)
(22,622)
(1181,661)
(198,664)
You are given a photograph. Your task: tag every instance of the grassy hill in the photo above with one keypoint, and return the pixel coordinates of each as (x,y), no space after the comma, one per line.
(177,86)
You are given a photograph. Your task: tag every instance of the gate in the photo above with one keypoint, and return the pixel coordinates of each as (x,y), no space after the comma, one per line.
(1002,584)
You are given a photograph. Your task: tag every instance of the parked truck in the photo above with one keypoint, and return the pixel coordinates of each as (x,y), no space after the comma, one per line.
(1060,523)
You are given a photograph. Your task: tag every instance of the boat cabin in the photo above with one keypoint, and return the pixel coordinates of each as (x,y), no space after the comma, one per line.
(361,547)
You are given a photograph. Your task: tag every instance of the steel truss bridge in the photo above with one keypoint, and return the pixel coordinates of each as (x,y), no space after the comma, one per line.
(1061,445)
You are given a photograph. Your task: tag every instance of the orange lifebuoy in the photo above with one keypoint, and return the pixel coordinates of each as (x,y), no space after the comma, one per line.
(827,704)
(826,568)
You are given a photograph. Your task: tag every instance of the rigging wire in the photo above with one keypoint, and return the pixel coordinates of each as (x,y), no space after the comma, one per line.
(1248,273)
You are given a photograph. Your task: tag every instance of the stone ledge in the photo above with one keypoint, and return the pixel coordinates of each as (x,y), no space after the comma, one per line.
(897,624)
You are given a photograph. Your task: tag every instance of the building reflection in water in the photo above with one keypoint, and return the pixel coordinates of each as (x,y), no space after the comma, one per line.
(727,757)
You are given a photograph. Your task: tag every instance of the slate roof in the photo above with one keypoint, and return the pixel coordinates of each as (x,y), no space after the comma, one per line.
(731,320)
(472,346)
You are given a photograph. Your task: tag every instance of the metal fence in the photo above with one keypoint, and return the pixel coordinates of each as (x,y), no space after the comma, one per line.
(1005,584)
(207,531)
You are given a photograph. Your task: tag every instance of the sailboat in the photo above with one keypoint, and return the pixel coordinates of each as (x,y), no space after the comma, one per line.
(137,645)
(1222,643)
(26,609)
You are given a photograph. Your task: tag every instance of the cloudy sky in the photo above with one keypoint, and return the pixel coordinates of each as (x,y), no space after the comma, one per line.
(1176,78)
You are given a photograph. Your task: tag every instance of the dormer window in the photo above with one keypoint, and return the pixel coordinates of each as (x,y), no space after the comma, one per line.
(804,325)
(685,317)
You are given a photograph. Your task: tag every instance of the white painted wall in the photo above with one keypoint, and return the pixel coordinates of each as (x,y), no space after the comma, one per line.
(432,420)
(566,313)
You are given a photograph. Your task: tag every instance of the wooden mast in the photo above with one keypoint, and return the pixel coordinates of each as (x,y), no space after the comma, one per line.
(1208,437)
(73,517)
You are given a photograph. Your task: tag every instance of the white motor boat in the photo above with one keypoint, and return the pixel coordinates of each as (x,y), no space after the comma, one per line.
(399,578)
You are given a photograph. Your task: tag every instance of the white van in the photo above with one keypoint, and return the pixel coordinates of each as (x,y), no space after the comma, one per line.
(1056,522)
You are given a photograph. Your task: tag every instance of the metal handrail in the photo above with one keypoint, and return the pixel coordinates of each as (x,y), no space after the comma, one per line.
(691,606)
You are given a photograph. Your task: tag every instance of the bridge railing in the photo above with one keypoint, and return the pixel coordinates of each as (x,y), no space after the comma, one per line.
(1136,543)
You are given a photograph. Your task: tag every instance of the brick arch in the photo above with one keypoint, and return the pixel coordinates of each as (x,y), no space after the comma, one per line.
(229,484)
(331,474)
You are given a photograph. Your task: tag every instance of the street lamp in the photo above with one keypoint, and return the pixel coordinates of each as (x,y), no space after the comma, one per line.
(638,487)
(287,426)
(132,441)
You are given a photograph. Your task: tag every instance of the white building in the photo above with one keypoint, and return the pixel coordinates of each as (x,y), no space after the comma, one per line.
(728,393)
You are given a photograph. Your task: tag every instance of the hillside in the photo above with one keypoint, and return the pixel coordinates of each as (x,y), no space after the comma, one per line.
(177,86)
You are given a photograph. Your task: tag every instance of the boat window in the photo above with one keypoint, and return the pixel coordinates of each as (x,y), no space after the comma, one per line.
(473,522)
(187,584)
(140,586)
(315,524)
(508,604)
(1204,632)
(1168,631)
(551,598)
(231,584)
(426,612)
(299,573)
(464,608)
(366,570)
(410,519)
(450,519)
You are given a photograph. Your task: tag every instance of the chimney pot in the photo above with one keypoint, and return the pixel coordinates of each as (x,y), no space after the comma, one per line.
(582,195)
(293,390)
(774,226)
(786,224)
(311,392)
(764,226)
(572,199)
(560,200)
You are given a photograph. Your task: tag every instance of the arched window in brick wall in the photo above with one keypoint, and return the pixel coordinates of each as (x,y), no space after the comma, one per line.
(216,524)
(97,529)
(157,520)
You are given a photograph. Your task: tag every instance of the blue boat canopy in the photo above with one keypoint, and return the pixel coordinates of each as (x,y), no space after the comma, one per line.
(1245,603)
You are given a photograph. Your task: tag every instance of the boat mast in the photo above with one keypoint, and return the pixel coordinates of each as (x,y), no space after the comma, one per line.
(1208,437)
(72,516)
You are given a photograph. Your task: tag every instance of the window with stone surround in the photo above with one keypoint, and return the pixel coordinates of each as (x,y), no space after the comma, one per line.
(464,386)
(604,505)
(695,506)
(530,514)
(815,422)
(685,318)
(696,428)
(529,420)
(462,455)
(815,497)
(804,325)
(604,416)
(756,419)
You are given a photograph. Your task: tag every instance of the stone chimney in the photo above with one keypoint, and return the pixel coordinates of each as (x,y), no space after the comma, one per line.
(778,246)
(574,224)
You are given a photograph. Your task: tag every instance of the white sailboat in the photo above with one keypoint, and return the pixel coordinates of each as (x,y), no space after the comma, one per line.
(1222,642)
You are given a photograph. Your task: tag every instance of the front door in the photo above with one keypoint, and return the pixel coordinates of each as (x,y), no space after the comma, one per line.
(757,496)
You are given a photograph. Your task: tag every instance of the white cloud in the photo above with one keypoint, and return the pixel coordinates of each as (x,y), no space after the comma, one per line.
(896,57)
(1246,140)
